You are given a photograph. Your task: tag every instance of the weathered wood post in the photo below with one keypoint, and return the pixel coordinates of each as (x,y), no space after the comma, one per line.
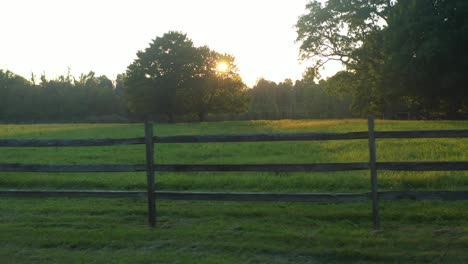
(150,173)
(373,172)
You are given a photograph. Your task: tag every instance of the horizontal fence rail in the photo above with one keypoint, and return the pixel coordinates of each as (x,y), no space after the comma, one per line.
(314,167)
(69,142)
(14,167)
(245,196)
(226,138)
(309,136)
(174,195)
(151,194)
(259,137)
(424,166)
(424,195)
(422,134)
(319,167)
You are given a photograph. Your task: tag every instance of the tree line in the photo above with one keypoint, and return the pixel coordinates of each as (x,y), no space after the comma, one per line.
(403,59)
(91,98)
(171,80)
(301,99)
(88,98)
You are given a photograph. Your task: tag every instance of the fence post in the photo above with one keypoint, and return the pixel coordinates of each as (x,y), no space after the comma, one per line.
(150,173)
(373,171)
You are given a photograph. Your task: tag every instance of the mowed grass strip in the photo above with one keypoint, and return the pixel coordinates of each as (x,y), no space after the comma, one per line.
(103,230)
(66,230)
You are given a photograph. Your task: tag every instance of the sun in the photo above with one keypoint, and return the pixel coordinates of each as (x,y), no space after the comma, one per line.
(222,66)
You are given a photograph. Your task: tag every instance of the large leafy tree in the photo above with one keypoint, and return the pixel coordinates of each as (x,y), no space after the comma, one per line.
(426,56)
(350,32)
(332,31)
(410,52)
(154,79)
(173,77)
(214,89)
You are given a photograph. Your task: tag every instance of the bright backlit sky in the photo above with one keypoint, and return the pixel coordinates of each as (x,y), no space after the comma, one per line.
(104,35)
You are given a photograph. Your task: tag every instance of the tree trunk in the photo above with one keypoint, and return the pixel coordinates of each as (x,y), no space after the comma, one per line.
(201,116)
(453,111)
(170,118)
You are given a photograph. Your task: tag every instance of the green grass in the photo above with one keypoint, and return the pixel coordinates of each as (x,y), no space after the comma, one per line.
(94,230)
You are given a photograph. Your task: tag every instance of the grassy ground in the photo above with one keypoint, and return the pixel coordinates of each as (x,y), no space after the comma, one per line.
(114,230)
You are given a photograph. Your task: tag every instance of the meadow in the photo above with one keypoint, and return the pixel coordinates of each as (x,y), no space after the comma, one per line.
(77,230)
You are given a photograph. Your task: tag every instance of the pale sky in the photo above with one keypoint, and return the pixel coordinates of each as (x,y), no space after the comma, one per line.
(104,35)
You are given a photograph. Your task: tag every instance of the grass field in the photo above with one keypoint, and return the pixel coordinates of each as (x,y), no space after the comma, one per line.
(72,230)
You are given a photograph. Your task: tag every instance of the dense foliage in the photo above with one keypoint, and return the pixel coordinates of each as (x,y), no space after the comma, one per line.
(303,99)
(88,98)
(91,98)
(171,80)
(404,59)
(173,77)
(405,56)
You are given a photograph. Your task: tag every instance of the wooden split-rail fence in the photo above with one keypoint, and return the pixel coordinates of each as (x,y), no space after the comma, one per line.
(150,140)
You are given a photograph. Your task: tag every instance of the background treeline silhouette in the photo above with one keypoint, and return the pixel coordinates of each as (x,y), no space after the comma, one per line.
(403,60)
(288,100)
(92,98)
(89,98)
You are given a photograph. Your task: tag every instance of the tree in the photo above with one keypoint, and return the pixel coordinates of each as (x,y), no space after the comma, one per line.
(214,90)
(98,95)
(157,75)
(285,98)
(430,68)
(304,99)
(396,53)
(15,96)
(88,98)
(173,77)
(334,30)
(264,103)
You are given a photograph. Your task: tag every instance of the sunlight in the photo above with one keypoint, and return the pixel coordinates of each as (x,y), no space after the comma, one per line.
(222,66)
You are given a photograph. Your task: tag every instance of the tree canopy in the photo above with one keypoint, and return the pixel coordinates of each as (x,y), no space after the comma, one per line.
(426,56)
(173,77)
(334,30)
(399,55)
